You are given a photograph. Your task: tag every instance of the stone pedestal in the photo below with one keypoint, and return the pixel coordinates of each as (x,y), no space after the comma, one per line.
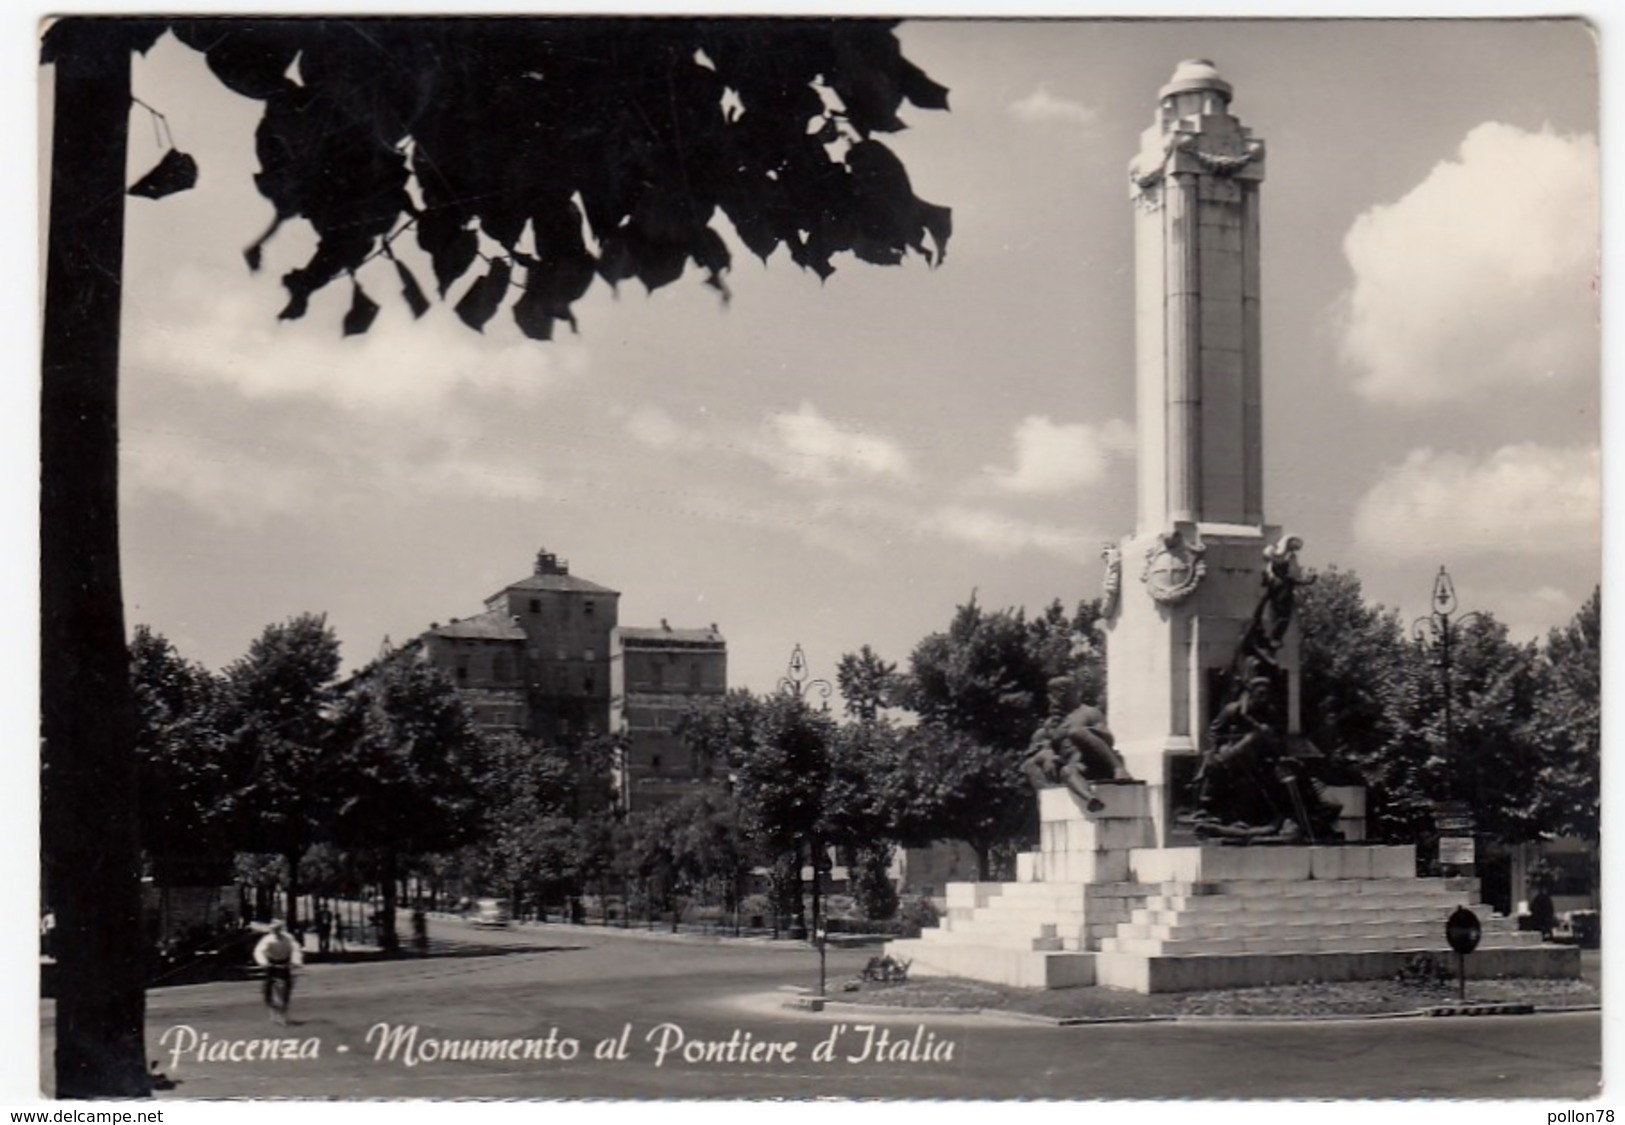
(1077,846)
(1096,904)
(1164,657)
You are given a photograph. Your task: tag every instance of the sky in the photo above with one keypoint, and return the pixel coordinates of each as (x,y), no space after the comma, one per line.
(842,463)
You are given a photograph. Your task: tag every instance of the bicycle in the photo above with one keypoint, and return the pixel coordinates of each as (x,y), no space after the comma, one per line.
(278,991)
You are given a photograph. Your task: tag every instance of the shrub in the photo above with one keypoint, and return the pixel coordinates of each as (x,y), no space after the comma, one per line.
(839,906)
(888,927)
(702,915)
(919,910)
(755,906)
(872,886)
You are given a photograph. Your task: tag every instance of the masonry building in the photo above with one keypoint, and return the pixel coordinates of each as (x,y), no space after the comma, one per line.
(549,659)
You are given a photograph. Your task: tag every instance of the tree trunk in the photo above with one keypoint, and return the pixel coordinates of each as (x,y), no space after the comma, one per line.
(388,940)
(88,776)
(798,930)
(291,917)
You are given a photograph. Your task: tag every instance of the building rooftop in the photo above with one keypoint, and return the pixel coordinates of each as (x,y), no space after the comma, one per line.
(490,625)
(665,634)
(568,583)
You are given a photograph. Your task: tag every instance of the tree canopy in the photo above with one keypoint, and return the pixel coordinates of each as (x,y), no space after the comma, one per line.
(543,153)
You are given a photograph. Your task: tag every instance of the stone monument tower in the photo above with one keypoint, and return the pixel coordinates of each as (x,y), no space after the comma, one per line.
(1186,582)
(1123,890)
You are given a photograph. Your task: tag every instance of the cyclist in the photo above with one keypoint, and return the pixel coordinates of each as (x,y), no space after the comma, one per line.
(277,953)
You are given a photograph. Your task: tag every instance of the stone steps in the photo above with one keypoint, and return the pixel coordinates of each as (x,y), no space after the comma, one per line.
(1213,916)
(1186,928)
(1309,888)
(1230,914)
(1020,968)
(1429,940)
(993,938)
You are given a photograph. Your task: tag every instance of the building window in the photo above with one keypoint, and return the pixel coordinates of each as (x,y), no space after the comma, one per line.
(587,607)
(659,676)
(536,605)
(587,684)
(586,654)
(694,676)
(654,763)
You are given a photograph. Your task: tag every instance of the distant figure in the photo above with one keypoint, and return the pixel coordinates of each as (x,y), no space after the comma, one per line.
(1542,915)
(420,929)
(324,931)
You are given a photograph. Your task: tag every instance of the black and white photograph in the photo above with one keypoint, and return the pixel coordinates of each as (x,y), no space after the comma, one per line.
(721,557)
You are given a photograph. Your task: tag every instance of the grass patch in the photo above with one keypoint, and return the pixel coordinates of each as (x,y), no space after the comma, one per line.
(1326,999)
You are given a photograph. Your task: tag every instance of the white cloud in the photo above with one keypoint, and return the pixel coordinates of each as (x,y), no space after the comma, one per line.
(1041,106)
(1051,457)
(807,446)
(237,483)
(229,335)
(651,426)
(996,533)
(1482,276)
(1529,615)
(1521,499)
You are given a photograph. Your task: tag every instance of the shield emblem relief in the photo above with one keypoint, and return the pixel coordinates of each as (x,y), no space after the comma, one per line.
(1174,567)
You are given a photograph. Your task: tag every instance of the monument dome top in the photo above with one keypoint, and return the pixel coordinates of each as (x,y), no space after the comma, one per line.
(1196,74)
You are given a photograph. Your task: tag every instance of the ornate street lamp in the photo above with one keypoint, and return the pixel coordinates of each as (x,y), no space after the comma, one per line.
(1436,631)
(796,683)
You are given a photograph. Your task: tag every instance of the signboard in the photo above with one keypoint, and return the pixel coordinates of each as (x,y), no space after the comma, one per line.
(1456,850)
(1463,931)
(1453,818)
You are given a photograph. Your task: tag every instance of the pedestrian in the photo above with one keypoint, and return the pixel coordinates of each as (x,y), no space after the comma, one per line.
(420,929)
(277,953)
(324,930)
(1542,915)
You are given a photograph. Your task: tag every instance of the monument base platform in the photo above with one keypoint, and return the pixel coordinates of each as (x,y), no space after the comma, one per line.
(1209,916)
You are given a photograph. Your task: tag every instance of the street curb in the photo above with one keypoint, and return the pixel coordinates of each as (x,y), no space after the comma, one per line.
(1486,1009)
(1502,1009)
(858,1005)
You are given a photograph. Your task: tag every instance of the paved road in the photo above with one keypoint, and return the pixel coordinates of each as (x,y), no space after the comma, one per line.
(591,986)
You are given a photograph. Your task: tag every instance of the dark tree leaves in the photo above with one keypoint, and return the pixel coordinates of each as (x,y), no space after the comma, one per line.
(411,291)
(363,311)
(176,172)
(451,246)
(484,297)
(518,132)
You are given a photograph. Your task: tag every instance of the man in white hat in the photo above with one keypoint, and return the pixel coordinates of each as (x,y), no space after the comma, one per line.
(277,953)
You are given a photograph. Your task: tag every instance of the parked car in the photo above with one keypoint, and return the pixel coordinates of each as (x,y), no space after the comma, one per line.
(489,912)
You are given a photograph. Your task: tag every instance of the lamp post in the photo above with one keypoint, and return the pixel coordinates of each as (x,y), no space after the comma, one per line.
(1437,631)
(796,683)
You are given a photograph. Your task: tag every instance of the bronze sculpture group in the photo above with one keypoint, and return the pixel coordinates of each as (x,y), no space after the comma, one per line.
(1073,748)
(1255,782)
